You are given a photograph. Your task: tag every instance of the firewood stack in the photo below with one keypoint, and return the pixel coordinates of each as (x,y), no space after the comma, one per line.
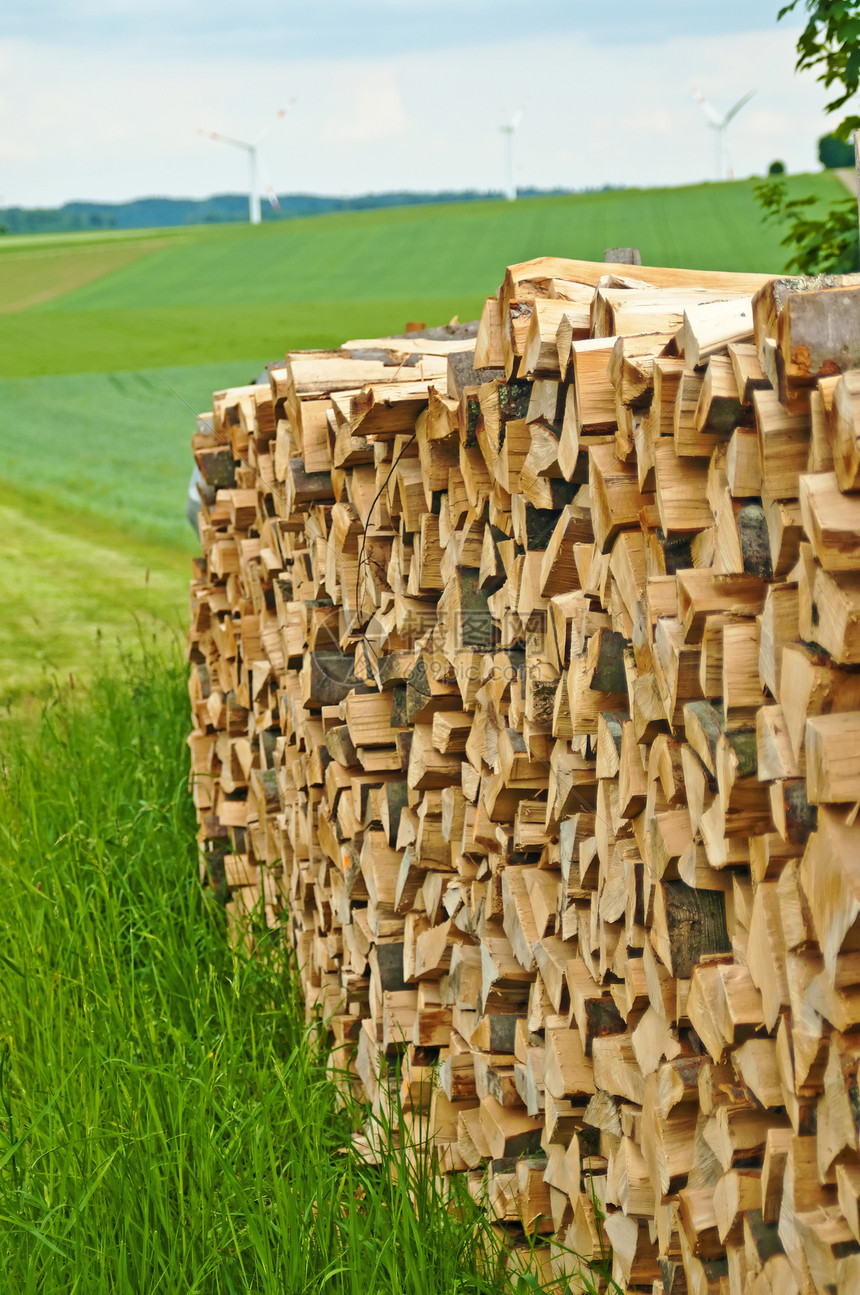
(526,705)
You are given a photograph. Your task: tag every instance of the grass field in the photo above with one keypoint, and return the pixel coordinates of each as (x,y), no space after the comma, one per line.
(228,292)
(109,343)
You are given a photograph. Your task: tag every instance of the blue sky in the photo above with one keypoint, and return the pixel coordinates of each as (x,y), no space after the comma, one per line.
(342,28)
(106,100)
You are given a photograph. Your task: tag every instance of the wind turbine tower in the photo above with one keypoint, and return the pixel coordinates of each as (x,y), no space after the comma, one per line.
(253,190)
(509,130)
(254,215)
(720,125)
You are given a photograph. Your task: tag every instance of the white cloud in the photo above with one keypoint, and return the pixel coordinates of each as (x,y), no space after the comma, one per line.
(649,120)
(764,124)
(373,112)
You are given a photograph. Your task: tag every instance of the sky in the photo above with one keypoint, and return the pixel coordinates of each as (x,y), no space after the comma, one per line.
(108,100)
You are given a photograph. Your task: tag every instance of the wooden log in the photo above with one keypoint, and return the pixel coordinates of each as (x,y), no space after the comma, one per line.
(828,877)
(833,758)
(747,370)
(540,349)
(783,445)
(615,498)
(844,431)
(711,326)
(831,520)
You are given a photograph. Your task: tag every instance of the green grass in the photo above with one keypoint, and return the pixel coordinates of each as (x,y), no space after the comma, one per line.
(112,447)
(73,594)
(97,341)
(94,543)
(166,1124)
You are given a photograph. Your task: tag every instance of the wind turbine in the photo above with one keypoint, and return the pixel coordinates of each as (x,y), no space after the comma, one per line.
(254,215)
(510,130)
(720,124)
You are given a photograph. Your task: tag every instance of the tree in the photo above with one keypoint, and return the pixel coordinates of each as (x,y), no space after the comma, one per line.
(830,44)
(834,152)
(776,168)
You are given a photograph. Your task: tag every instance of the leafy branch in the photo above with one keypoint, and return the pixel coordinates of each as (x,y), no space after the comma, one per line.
(831,40)
(826,244)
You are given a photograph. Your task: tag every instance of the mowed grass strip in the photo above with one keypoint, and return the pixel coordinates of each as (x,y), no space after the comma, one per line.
(95,547)
(231,291)
(166,1120)
(31,276)
(112,447)
(75,597)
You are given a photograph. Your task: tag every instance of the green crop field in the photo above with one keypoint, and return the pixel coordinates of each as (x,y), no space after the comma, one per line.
(110,343)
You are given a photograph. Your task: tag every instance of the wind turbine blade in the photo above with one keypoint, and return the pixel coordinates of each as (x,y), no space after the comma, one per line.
(733,112)
(282,112)
(711,113)
(226,139)
(268,188)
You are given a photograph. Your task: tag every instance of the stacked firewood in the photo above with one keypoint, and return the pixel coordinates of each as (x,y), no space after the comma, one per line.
(527,710)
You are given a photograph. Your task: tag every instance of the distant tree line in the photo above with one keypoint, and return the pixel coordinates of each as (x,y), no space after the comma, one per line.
(150,213)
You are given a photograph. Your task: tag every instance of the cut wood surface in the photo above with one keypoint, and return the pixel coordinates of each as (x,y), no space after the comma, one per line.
(525,683)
